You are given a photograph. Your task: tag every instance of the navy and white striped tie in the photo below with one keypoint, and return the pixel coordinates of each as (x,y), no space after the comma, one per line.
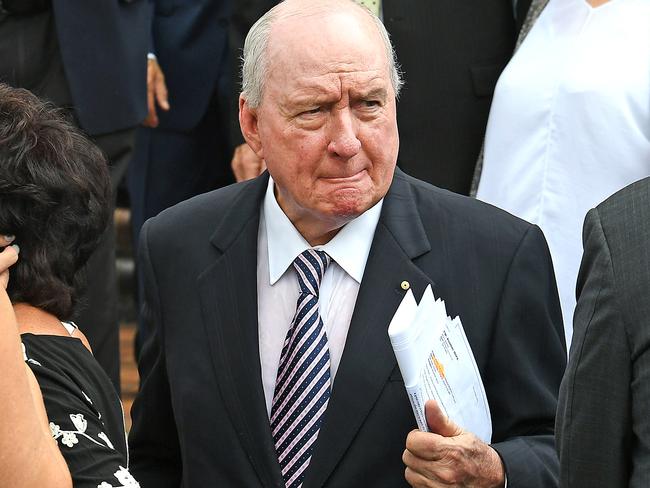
(302,388)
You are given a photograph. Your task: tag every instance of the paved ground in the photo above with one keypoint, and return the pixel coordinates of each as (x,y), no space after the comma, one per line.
(125,269)
(129,372)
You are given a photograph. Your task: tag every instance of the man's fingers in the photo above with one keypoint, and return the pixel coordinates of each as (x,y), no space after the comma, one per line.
(462,460)
(161,93)
(152,119)
(236,165)
(447,471)
(438,422)
(246,164)
(251,171)
(426,445)
(418,480)
(160,87)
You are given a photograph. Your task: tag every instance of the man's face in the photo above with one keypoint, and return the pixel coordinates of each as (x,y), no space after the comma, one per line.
(327,125)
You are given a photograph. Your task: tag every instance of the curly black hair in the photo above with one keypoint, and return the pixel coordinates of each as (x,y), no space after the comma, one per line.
(54,197)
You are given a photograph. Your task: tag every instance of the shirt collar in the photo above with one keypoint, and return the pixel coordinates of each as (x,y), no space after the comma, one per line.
(349,247)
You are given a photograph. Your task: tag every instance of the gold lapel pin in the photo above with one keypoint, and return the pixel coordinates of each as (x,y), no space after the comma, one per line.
(405,285)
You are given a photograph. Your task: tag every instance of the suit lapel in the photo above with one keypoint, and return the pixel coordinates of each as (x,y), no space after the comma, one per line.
(228,293)
(534,11)
(368,357)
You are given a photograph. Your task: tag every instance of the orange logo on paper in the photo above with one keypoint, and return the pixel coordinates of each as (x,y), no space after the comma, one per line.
(438,365)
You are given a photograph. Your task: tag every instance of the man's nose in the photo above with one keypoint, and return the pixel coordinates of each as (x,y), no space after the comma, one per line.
(343,135)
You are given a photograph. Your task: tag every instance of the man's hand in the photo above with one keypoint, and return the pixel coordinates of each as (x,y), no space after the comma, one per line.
(245,164)
(156,92)
(8,257)
(449,456)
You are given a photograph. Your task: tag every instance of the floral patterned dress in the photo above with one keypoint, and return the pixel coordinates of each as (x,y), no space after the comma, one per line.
(84,411)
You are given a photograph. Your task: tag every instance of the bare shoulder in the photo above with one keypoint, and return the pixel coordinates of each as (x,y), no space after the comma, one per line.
(51,328)
(80,335)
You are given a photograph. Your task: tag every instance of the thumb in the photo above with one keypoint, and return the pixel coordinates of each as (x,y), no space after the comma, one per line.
(438,422)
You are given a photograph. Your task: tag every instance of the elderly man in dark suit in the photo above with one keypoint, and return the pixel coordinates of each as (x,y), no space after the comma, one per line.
(603,425)
(88,57)
(270,364)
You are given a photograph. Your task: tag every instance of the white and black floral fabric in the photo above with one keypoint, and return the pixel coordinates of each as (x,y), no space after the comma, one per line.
(84,411)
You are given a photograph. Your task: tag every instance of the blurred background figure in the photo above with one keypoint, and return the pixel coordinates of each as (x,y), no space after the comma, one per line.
(184,148)
(55,203)
(245,163)
(603,427)
(90,59)
(570,122)
(452,54)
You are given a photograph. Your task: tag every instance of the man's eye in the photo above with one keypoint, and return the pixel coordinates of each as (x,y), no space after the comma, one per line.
(371,103)
(312,111)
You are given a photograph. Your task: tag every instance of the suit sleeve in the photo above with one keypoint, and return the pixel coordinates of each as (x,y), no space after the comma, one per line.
(594,411)
(154,446)
(528,358)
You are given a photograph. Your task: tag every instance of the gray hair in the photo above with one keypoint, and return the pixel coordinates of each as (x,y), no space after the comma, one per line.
(255,62)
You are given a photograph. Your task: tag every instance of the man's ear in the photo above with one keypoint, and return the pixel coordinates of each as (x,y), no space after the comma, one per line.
(248,125)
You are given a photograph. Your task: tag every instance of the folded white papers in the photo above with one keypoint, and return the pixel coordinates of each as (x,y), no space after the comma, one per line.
(437,363)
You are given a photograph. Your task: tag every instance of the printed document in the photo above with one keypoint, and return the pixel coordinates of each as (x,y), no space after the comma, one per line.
(437,363)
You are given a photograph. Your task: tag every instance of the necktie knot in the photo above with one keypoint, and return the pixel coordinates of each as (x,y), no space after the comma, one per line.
(310,266)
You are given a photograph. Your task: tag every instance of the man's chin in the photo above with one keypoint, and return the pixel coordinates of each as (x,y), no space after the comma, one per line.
(350,204)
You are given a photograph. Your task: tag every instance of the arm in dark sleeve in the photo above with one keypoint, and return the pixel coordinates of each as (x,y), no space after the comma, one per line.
(527,360)
(594,411)
(155,452)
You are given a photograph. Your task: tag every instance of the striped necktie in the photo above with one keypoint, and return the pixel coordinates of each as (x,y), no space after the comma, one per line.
(302,387)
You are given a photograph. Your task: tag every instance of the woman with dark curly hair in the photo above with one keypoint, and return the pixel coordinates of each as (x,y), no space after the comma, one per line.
(54,204)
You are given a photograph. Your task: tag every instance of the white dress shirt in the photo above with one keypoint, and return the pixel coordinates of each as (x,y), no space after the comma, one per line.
(570,124)
(278,244)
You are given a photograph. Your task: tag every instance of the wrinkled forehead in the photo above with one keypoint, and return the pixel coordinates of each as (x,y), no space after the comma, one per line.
(317,44)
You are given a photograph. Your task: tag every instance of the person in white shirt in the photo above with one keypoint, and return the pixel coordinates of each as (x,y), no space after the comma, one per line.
(570,123)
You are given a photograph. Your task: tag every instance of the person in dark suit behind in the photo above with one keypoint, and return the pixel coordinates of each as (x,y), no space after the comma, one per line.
(603,426)
(452,54)
(88,58)
(235,394)
(184,148)
(245,163)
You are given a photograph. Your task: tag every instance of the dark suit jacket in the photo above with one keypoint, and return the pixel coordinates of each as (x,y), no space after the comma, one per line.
(452,53)
(104,49)
(190,39)
(603,424)
(200,419)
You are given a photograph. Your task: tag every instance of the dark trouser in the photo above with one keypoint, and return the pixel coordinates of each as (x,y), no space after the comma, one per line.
(170,166)
(30,58)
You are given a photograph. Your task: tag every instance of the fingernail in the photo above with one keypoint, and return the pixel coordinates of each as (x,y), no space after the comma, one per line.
(16,248)
(8,237)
